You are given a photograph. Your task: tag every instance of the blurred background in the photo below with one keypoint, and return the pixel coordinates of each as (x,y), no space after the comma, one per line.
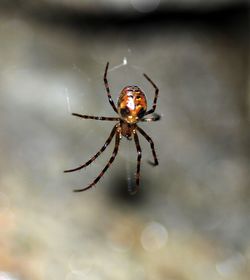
(190,219)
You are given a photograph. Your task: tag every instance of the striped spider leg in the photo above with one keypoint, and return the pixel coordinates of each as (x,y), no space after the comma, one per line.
(131,109)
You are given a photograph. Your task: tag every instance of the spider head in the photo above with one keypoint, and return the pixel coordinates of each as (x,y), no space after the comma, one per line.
(132,104)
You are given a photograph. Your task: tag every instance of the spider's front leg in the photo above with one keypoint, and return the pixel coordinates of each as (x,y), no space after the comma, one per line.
(143,133)
(137,176)
(115,151)
(97,154)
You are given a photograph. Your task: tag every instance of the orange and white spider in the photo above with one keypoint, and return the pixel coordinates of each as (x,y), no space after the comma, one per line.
(131,108)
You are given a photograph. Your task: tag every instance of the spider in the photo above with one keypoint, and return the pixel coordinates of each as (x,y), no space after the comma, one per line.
(131,108)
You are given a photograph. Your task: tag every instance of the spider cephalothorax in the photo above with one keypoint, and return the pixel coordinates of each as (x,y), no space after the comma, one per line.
(131,108)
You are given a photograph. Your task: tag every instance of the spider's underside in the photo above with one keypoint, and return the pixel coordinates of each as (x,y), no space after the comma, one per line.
(131,108)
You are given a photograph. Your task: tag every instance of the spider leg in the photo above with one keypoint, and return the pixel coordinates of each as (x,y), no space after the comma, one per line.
(117,142)
(97,154)
(154,118)
(156,95)
(138,148)
(96,118)
(143,133)
(107,88)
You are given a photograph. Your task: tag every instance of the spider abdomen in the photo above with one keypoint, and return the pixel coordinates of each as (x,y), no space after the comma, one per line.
(132,104)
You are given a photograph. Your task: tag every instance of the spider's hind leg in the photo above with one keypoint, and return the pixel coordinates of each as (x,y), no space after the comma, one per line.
(107,88)
(156,95)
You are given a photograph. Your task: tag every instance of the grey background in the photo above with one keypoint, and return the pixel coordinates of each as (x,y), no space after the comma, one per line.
(190,219)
